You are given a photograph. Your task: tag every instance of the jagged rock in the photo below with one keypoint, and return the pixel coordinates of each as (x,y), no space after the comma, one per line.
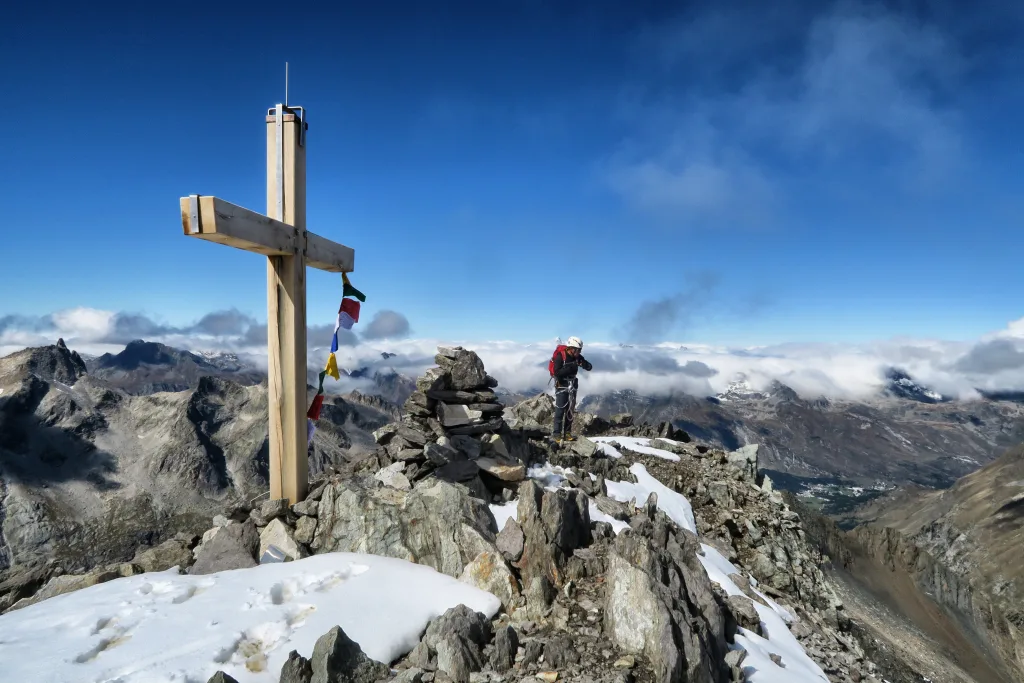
(384,435)
(420,656)
(392,476)
(621,420)
(554,524)
(503,470)
(234,547)
(735,658)
(417,438)
(651,608)
(305,530)
(745,459)
(490,382)
(506,644)
(437,523)
(510,540)
(296,669)
(492,425)
(338,659)
(272,509)
(461,621)
(559,652)
(278,534)
(489,572)
(221,677)
(592,425)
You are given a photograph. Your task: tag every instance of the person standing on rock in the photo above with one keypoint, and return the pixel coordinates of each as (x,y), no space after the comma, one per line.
(565,363)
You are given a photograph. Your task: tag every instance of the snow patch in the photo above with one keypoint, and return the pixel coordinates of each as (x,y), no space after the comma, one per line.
(636,444)
(163,627)
(673,504)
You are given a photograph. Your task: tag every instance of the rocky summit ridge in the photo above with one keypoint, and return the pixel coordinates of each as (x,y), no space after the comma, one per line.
(631,555)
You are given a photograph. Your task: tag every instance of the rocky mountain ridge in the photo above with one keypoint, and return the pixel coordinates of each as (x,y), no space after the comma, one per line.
(631,555)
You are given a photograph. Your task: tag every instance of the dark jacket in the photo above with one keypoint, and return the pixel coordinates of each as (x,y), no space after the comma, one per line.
(565,371)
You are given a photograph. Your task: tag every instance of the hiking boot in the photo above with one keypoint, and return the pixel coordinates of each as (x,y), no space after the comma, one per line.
(568,437)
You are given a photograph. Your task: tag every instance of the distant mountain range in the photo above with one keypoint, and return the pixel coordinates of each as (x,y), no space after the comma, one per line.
(840,452)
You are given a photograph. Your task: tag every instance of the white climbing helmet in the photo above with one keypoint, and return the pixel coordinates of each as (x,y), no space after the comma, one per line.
(575,342)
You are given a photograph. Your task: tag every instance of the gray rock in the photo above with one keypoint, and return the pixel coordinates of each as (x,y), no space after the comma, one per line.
(305,530)
(458,658)
(735,658)
(384,435)
(506,644)
(339,659)
(560,652)
(466,368)
(279,534)
(174,552)
(510,540)
(412,675)
(221,677)
(434,379)
(613,508)
(420,656)
(741,610)
(505,470)
(467,445)
(492,425)
(441,454)
(554,524)
(461,621)
(392,476)
(272,509)
(306,507)
(490,573)
(234,547)
(583,447)
(454,415)
(535,414)
(414,436)
(296,669)
(437,523)
(652,609)
(745,459)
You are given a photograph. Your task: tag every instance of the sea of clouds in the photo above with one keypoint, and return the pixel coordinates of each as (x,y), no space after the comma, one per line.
(994,362)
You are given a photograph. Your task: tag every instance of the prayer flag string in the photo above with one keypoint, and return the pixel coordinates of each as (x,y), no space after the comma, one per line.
(348,315)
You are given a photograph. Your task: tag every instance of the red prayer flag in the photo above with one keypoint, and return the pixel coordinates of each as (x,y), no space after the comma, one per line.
(314,410)
(350,306)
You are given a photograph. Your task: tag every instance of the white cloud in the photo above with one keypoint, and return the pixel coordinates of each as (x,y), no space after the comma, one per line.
(955,368)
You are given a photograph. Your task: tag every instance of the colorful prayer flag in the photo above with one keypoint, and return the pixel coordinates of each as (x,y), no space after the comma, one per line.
(344,320)
(314,410)
(349,290)
(351,307)
(332,367)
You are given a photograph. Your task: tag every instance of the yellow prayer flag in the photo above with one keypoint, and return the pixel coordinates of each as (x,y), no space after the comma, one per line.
(332,367)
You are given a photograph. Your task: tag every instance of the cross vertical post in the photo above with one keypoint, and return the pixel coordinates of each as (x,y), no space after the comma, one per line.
(286,308)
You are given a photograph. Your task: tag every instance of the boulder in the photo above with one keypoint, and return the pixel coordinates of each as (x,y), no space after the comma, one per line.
(338,659)
(278,534)
(234,547)
(460,620)
(467,445)
(305,530)
(441,453)
(437,523)
(506,644)
(621,420)
(383,435)
(434,379)
(306,507)
(221,677)
(745,459)
(272,509)
(458,658)
(489,572)
(583,447)
(510,540)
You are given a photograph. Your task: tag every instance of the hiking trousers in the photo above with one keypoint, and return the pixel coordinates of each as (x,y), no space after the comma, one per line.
(565,409)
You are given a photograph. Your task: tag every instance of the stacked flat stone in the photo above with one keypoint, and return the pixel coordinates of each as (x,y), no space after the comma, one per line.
(453,426)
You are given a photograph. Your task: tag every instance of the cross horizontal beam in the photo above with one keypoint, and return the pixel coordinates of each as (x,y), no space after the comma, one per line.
(215,220)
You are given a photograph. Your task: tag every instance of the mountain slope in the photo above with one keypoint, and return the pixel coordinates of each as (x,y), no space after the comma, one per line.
(964,546)
(87,471)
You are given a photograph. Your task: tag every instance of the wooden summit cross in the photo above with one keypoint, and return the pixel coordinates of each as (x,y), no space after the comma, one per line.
(281,236)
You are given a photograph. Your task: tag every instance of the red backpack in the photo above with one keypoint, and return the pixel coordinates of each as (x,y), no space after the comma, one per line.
(551,363)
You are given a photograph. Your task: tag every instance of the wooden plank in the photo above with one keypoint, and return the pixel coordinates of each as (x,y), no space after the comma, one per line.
(286,324)
(323,254)
(235,226)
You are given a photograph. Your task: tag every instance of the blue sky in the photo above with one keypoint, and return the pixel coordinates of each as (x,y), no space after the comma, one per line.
(621,171)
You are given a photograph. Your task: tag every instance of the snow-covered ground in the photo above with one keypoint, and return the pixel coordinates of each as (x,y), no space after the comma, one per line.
(163,627)
(607,445)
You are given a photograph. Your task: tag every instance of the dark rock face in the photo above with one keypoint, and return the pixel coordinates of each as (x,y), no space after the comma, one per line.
(554,524)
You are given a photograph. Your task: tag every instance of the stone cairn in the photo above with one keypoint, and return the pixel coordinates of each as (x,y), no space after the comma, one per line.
(453,426)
